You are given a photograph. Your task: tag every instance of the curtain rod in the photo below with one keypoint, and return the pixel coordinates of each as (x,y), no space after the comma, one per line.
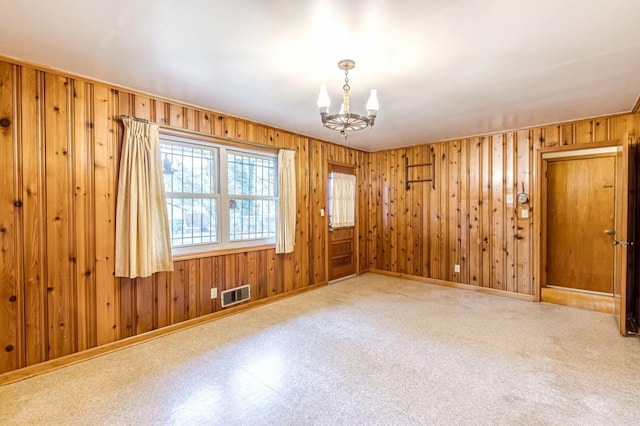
(209,135)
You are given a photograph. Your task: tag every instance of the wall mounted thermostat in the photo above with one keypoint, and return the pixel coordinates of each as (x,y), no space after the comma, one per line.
(523,197)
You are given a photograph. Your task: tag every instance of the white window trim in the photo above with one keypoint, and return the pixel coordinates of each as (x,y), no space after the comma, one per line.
(222,197)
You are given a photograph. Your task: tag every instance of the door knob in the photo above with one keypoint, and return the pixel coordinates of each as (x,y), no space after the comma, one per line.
(609,232)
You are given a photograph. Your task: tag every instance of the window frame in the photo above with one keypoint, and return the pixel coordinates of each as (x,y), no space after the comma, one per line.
(227,197)
(221,194)
(198,195)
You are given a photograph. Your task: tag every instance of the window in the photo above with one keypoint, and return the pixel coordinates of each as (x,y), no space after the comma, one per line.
(192,199)
(218,196)
(252,196)
(342,199)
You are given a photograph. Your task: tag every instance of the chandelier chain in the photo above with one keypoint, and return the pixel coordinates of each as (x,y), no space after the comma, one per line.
(346,86)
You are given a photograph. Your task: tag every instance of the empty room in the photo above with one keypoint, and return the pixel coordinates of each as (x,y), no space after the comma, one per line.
(319,213)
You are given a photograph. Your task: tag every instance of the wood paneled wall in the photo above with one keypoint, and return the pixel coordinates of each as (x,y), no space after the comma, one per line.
(466,220)
(60,139)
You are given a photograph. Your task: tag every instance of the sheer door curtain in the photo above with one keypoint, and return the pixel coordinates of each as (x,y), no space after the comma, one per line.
(342,199)
(143,244)
(286,222)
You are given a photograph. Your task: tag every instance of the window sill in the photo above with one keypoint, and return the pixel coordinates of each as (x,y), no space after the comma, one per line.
(221,252)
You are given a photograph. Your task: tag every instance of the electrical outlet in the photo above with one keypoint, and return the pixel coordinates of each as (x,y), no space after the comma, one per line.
(456,268)
(214,293)
(525,213)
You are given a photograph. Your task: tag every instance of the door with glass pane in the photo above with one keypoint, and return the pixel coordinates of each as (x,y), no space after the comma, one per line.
(341,191)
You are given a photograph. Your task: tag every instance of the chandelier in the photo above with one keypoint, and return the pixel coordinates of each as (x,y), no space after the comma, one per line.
(345,121)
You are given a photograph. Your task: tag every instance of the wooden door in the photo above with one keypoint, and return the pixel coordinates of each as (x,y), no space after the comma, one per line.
(342,239)
(341,253)
(581,223)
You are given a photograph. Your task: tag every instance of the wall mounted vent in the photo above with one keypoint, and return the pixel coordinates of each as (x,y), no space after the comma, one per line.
(236,295)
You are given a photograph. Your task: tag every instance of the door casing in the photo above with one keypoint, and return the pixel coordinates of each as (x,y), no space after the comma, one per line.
(540,255)
(346,169)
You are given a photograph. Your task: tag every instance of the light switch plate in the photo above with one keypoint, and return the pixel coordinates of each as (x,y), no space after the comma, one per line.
(509,198)
(322,212)
(525,213)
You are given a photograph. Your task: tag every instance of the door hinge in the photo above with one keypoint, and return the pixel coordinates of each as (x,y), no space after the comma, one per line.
(622,243)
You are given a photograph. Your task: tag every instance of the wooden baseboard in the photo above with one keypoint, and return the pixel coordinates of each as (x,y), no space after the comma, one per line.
(54,364)
(485,290)
(591,302)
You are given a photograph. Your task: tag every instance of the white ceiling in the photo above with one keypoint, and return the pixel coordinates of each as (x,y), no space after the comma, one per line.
(443,68)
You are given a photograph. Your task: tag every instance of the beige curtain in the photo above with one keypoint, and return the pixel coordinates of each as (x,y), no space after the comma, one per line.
(143,244)
(286,223)
(343,200)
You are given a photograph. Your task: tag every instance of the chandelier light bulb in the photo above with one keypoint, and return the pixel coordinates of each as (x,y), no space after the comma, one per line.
(372,104)
(324,102)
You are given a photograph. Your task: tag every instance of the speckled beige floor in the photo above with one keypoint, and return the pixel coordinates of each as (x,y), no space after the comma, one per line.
(370,350)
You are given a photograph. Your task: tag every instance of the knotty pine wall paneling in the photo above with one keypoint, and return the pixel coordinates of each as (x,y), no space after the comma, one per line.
(394,217)
(105,174)
(11,347)
(318,222)
(439,251)
(485,210)
(497,220)
(467,219)
(32,179)
(415,234)
(452,191)
(463,212)
(362,210)
(474,253)
(60,257)
(524,227)
(83,210)
(60,142)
